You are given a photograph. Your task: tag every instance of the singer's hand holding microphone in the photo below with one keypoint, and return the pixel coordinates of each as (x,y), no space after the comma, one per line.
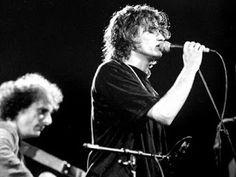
(166,46)
(192,53)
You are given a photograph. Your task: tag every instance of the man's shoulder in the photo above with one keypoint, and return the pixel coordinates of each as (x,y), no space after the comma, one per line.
(4,126)
(112,66)
(8,132)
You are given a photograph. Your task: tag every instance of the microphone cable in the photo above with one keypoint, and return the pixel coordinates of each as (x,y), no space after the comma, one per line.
(220,116)
(160,167)
(221,126)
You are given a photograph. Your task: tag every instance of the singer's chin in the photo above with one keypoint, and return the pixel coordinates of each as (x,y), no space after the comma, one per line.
(158,55)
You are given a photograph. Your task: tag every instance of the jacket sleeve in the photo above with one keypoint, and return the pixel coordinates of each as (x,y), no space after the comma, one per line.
(10,164)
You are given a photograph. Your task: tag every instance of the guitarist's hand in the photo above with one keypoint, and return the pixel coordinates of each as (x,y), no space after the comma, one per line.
(47,174)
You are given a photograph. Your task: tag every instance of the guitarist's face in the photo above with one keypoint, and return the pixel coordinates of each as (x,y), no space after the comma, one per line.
(30,122)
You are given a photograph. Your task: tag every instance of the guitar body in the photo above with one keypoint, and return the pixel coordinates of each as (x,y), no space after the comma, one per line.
(46,174)
(176,155)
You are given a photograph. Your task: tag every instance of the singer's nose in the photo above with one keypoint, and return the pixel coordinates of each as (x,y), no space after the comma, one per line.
(160,37)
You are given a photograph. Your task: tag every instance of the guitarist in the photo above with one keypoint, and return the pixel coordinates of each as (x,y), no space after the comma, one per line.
(126,110)
(26,105)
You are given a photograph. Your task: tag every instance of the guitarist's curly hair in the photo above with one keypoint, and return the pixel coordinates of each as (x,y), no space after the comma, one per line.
(20,94)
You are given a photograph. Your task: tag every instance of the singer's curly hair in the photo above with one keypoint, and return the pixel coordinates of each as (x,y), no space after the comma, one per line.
(123,28)
(20,94)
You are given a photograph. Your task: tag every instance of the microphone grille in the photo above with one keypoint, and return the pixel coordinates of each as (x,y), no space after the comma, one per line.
(164,46)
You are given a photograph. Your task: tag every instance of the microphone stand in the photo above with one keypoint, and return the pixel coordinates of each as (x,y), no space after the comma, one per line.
(221,128)
(131,163)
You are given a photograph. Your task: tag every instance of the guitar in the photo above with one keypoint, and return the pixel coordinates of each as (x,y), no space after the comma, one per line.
(46,174)
(51,161)
(176,154)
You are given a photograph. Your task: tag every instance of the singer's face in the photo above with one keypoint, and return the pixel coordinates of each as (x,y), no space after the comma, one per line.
(148,42)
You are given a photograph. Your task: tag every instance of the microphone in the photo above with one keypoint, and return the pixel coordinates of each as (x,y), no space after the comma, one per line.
(165,46)
(232,119)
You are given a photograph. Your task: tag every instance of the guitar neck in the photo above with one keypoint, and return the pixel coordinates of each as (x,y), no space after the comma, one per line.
(51,161)
(75,172)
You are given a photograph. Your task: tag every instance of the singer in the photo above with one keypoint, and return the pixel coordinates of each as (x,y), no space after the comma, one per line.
(126,110)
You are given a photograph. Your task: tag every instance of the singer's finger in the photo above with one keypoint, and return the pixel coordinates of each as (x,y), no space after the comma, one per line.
(198,45)
(192,44)
(186,44)
(202,48)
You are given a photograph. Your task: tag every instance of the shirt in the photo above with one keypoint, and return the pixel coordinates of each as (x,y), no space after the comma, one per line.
(121,97)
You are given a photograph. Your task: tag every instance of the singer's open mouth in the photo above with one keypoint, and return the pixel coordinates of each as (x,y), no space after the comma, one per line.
(158,45)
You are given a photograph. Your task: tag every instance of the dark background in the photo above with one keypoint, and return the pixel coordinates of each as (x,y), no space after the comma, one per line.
(62,40)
